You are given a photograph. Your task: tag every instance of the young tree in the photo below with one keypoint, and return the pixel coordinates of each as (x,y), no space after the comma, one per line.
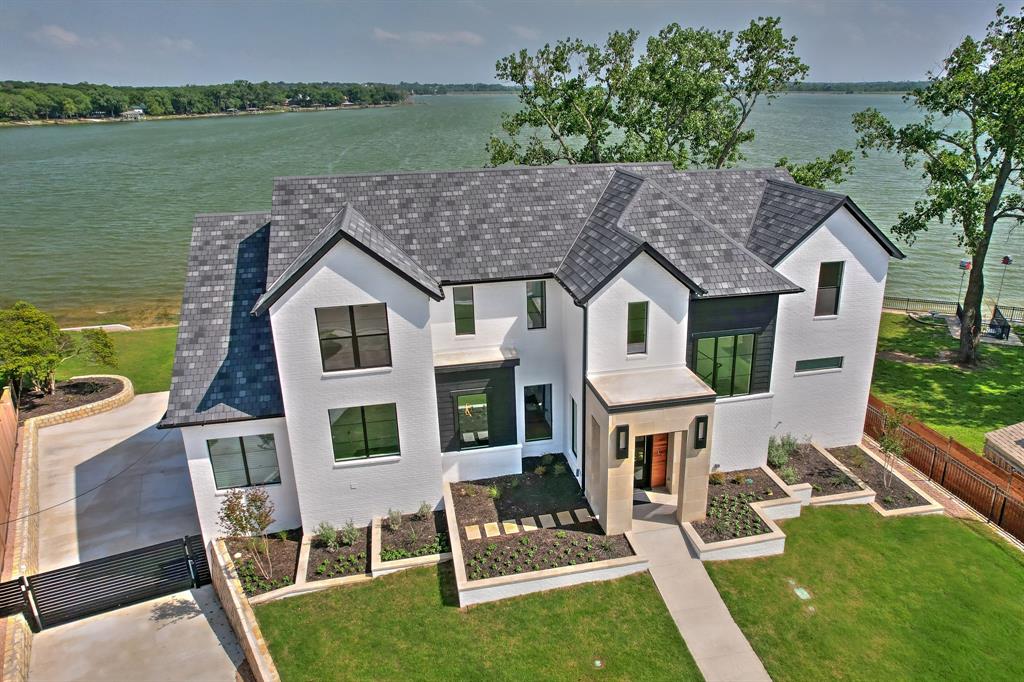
(32,346)
(687,99)
(890,442)
(246,513)
(973,170)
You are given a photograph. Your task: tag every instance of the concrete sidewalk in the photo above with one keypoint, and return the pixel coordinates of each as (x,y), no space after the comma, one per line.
(718,646)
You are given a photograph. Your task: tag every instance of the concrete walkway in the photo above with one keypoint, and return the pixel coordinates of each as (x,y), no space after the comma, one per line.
(148,500)
(718,646)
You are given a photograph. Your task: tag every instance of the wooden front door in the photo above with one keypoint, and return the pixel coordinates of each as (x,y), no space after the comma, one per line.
(659,459)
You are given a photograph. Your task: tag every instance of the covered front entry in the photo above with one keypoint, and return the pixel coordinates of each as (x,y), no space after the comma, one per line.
(650,461)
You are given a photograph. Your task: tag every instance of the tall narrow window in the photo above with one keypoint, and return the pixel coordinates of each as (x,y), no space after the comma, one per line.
(537,411)
(572,427)
(471,420)
(465,316)
(353,336)
(830,281)
(367,431)
(244,461)
(726,362)
(636,328)
(536,305)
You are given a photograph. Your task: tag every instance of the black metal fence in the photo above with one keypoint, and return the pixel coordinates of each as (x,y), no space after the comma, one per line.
(1013,313)
(919,305)
(74,592)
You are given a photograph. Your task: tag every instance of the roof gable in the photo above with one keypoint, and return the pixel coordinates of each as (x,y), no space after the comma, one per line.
(349,224)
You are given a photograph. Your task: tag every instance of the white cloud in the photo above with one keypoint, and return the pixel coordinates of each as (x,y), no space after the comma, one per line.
(58,36)
(429,38)
(176,44)
(525,32)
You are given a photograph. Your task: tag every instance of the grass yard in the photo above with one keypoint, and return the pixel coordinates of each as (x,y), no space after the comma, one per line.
(913,598)
(406,626)
(964,404)
(145,356)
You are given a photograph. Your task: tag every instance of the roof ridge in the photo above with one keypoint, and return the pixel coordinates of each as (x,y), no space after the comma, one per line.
(230,213)
(809,190)
(459,171)
(593,209)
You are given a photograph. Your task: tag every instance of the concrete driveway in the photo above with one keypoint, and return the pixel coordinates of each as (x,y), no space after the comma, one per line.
(147,499)
(184,636)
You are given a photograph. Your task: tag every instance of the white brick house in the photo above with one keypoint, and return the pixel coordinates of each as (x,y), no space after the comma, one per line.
(375,335)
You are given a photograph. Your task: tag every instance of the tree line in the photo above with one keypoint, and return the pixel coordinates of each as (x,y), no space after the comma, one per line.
(22,100)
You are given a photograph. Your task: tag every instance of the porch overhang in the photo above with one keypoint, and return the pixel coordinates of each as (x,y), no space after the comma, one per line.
(475,358)
(646,389)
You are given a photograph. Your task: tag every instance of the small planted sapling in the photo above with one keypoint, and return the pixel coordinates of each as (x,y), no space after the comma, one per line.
(246,514)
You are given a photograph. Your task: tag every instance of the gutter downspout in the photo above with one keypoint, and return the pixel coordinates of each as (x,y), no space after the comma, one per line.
(583,414)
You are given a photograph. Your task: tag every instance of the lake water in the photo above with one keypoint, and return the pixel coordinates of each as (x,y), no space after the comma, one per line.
(95,219)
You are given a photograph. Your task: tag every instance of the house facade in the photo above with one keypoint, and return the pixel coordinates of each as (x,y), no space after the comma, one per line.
(373,336)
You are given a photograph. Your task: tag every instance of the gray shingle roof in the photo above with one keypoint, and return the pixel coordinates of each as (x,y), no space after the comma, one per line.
(224,366)
(352,225)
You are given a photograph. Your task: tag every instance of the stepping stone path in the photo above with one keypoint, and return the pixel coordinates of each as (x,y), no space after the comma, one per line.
(529,523)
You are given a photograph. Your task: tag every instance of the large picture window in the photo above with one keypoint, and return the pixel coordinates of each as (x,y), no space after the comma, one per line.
(367,431)
(239,462)
(471,420)
(536,305)
(725,362)
(537,411)
(465,315)
(353,336)
(830,281)
(636,328)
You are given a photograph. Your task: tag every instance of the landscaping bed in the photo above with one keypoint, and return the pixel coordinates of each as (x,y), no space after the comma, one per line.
(283,548)
(729,514)
(416,535)
(66,395)
(802,463)
(897,495)
(347,554)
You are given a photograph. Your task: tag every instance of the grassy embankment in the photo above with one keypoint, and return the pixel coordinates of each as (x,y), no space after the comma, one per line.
(145,356)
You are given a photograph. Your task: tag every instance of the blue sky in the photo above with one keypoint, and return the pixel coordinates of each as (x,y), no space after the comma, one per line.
(157,42)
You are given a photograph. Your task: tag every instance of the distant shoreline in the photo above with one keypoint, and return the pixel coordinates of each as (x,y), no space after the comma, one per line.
(184,117)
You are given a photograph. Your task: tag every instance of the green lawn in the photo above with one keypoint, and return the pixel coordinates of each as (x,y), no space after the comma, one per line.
(964,404)
(405,627)
(913,598)
(145,356)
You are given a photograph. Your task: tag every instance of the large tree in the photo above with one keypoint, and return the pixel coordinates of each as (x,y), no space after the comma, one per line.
(970,148)
(686,99)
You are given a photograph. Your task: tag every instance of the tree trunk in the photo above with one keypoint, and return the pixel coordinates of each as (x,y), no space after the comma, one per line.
(970,326)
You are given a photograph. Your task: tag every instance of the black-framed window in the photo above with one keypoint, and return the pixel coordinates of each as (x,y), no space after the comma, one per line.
(471,419)
(465,315)
(636,328)
(536,305)
(365,431)
(572,424)
(243,461)
(830,282)
(726,362)
(537,411)
(353,336)
(835,362)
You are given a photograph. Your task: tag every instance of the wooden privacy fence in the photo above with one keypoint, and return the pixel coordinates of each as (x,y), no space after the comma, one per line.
(8,444)
(996,494)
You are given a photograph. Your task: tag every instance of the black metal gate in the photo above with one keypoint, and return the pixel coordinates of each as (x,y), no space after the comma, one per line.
(74,592)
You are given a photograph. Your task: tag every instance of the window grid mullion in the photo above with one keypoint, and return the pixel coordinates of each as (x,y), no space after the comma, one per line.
(245,461)
(355,336)
(366,438)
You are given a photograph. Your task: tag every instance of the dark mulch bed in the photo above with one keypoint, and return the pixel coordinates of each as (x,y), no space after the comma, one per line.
(541,549)
(414,537)
(729,514)
(66,395)
(898,495)
(824,476)
(284,559)
(348,560)
(519,495)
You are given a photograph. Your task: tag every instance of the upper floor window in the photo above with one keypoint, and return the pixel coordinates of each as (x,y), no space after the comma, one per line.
(353,336)
(725,362)
(830,280)
(465,315)
(636,328)
(367,431)
(537,411)
(536,305)
(244,461)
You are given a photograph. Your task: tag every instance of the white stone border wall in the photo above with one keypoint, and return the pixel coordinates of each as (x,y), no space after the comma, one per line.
(379,567)
(24,532)
(240,615)
(931,507)
(503,587)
